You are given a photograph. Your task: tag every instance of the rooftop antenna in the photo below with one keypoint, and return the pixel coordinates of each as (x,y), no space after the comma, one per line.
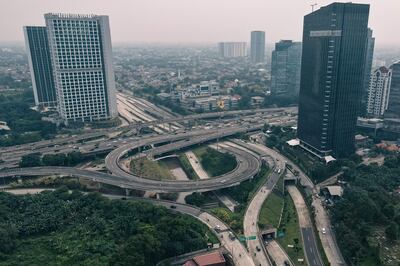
(312,6)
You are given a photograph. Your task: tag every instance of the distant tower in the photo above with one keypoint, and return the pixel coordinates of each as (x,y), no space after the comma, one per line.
(378,93)
(332,75)
(80,47)
(232,49)
(39,60)
(257,46)
(285,68)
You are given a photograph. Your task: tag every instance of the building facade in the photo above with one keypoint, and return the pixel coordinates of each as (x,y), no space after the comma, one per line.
(378,93)
(393,109)
(332,75)
(39,60)
(286,68)
(81,53)
(232,49)
(369,55)
(257,46)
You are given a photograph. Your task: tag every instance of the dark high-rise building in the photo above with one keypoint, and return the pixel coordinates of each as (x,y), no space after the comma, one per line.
(332,75)
(39,59)
(285,68)
(257,46)
(367,70)
(393,109)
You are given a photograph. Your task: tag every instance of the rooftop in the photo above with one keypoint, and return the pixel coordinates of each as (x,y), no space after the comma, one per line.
(335,190)
(209,259)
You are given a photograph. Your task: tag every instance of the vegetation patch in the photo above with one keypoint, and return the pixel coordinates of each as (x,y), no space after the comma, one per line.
(215,163)
(367,218)
(67,228)
(187,167)
(271,211)
(26,124)
(150,169)
(289,226)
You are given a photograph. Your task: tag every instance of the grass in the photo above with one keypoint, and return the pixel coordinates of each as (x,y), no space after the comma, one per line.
(271,211)
(233,220)
(215,163)
(290,226)
(150,169)
(187,167)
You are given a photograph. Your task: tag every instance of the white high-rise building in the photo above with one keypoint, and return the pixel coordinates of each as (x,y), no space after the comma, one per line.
(232,49)
(378,92)
(81,53)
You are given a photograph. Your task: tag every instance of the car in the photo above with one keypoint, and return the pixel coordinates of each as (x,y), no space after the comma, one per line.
(172,207)
(286,263)
(258,248)
(323,230)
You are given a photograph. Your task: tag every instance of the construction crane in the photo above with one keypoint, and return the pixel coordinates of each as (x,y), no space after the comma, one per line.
(312,6)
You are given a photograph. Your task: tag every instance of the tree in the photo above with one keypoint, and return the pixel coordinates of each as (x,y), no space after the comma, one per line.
(54,159)
(30,160)
(8,235)
(392,231)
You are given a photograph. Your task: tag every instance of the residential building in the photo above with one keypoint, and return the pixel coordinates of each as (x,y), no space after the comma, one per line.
(367,70)
(232,49)
(39,60)
(286,68)
(332,75)
(393,109)
(378,93)
(81,53)
(257,46)
(256,101)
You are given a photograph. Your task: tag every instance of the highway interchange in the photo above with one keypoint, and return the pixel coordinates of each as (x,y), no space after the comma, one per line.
(171,136)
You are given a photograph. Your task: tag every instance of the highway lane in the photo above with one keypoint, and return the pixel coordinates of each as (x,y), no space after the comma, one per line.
(248,166)
(104,139)
(250,222)
(322,220)
(306,229)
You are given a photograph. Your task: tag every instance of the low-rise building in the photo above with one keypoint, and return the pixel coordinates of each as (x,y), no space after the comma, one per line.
(209,259)
(256,101)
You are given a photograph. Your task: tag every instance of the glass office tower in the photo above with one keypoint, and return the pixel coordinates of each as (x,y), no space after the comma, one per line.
(332,74)
(285,68)
(39,60)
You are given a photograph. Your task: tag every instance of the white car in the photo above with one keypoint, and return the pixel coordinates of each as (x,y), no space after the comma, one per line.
(323,230)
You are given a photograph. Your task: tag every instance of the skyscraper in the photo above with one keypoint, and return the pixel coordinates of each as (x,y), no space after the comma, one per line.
(285,68)
(378,92)
(232,49)
(393,110)
(367,70)
(80,48)
(332,75)
(39,60)
(257,46)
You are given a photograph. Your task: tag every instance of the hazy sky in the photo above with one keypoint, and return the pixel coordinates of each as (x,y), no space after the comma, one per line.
(193,21)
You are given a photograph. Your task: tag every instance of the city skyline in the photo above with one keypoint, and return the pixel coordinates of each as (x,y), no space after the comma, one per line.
(176,22)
